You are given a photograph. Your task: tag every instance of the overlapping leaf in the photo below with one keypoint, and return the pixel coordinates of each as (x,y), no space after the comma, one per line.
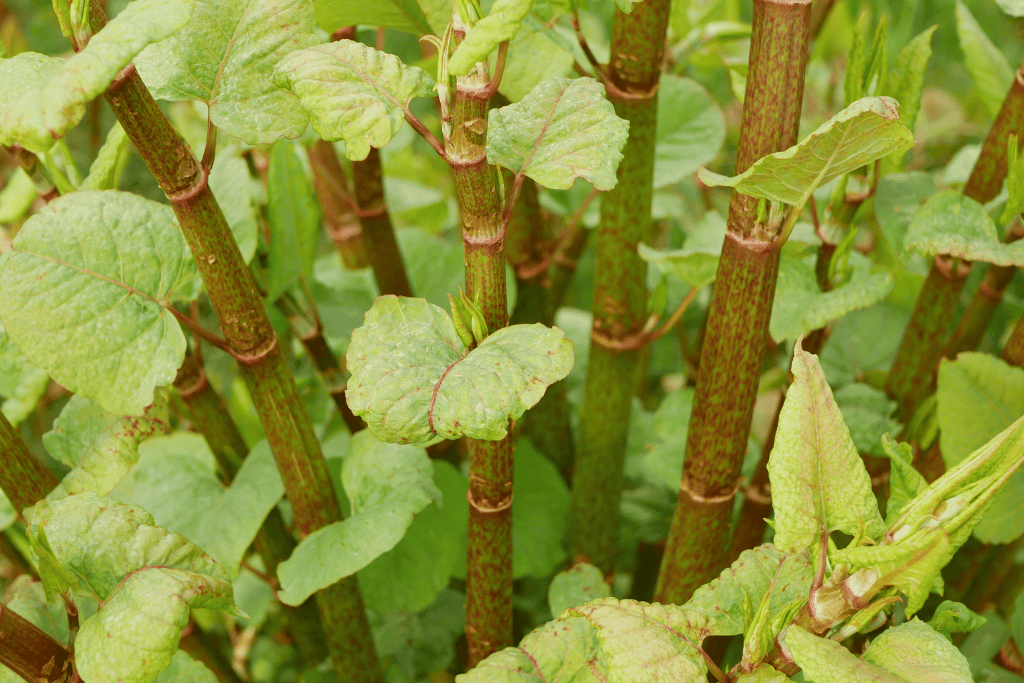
(226,56)
(866,130)
(413,380)
(387,485)
(500,24)
(352,92)
(22,383)
(100,447)
(538,52)
(563,130)
(110,160)
(45,97)
(146,578)
(84,294)
(801,306)
(950,223)
(576,586)
(819,483)
(906,81)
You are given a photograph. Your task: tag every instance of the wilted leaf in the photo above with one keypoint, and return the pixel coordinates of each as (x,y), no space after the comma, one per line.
(500,24)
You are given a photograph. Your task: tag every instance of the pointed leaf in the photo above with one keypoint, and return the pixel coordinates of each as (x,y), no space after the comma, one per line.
(906,81)
(563,130)
(576,586)
(950,223)
(953,617)
(100,446)
(352,92)
(387,486)
(413,380)
(110,160)
(84,293)
(43,97)
(690,132)
(226,56)
(987,64)
(402,15)
(500,24)
(819,483)
(801,307)
(978,397)
(866,130)
(905,482)
(294,218)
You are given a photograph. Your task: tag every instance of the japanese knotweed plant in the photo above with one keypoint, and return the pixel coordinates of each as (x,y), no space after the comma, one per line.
(795,599)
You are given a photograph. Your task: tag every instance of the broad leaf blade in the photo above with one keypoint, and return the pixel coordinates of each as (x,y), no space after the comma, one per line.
(950,223)
(500,24)
(537,53)
(826,661)
(576,586)
(987,64)
(402,15)
(919,654)
(563,130)
(866,130)
(43,97)
(412,380)
(84,292)
(697,262)
(352,92)
(22,383)
(690,131)
(226,56)
(294,218)
(819,483)
(387,485)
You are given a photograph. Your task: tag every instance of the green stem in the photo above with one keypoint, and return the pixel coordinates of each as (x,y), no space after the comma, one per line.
(1013,351)
(211,418)
(253,344)
(489,569)
(19,563)
(378,234)
(620,286)
(24,479)
(30,163)
(741,305)
(31,653)
(912,375)
(331,186)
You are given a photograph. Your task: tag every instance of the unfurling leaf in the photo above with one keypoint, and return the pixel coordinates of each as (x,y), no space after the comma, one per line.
(500,24)
(950,223)
(84,293)
(42,97)
(387,485)
(413,380)
(226,56)
(563,130)
(352,92)
(819,483)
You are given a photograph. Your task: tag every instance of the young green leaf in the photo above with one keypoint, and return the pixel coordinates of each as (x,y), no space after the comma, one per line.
(690,131)
(853,81)
(577,585)
(697,262)
(986,63)
(85,292)
(294,218)
(563,130)
(230,183)
(801,307)
(819,483)
(905,482)
(44,97)
(145,577)
(952,617)
(352,92)
(500,24)
(413,380)
(387,485)
(100,447)
(537,53)
(419,18)
(950,223)
(22,383)
(226,56)
(978,397)
(175,481)
(110,160)
(17,196)
(906,80)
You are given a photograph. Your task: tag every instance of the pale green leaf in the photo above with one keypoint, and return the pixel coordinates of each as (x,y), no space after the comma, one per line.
(101,447)
(230,184)
(826,661)
(986,63)
(184,669)
(226,56)
(110,160)
(950,223)
(413,380)
(45,97)
(906,80)
(402,15)
(537,53)
(978,397)
(352,92)
(819,483)
(22,383)
(563,130)
(953,617)
(690,131)
(8,516)
(801,307)
(175,481)
(626,5)
(16,197)
(764,674)
(866,130)
(918,654)
(294,217)
(1014,8)
(576,586)
(500,24)
(905,482)
(696,263)
(387,485)
(84,293)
